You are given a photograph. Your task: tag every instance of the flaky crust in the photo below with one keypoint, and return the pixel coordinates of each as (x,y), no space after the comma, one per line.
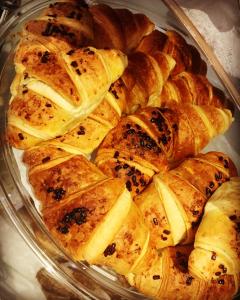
(186,56)
(158,138)
(119,28)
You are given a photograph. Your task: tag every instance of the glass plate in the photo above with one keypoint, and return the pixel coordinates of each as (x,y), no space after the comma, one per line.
(88,282)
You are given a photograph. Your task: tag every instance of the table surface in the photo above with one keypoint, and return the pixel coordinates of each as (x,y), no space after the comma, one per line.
(219,23)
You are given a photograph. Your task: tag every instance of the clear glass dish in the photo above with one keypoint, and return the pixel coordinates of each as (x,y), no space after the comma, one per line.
(88,282)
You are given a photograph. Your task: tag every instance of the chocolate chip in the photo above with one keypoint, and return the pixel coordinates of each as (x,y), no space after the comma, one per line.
(142,182)
(50,189)
(195,212)
(45,57)
(45,159)
(70,52)
(90,52)
(20,136)
(58,193)
(225,164)
(221,266)
(218,273)
(155,221)
(74,64)
(156,277)
(214,256)
(189,280)
(116,154)
(208,192)
(81,130)
(221,281)
(63,229)
(129,186)
(131,131)
(218,176)
(117,168)
(110,250)
(164,238)
(134,180)
(233,217)
(166,231)
(131,172)
(175,127)
(164,139)
(211,184)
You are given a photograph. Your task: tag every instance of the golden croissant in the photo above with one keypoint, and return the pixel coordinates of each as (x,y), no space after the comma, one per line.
(164,202)
(216,248)
(70,93)
(167,277)
(57,83)
(153,139)
(94,218)
(172,43)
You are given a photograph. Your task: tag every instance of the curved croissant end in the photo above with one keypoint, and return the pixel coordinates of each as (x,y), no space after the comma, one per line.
(216,248)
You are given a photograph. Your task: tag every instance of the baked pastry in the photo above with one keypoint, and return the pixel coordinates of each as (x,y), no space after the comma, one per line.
(155,139)
(143,80)
(64,25)
(172,43)
(216,248)
(119,28)
(164,202)
(192,88)
(69,93)
(53,92)
(57,83)
(167,277)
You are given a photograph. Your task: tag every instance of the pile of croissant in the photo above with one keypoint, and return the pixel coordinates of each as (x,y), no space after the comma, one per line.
(112,115)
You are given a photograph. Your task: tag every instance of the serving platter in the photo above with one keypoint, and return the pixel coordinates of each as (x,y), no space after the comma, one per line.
(94,282)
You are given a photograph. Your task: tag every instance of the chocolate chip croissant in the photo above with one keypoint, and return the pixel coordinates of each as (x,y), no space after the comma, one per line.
(69,94)
(167,277)
(98,222)
(154,139)
(54,90)
(164,203)
(57,83)
(216,247)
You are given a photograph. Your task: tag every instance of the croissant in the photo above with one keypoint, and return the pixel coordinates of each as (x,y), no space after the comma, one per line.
(118,28)
(143,85)
(167,277)
(142,82)
(216,248)
(55,87)
(172,43)
(62,26)
(82,208)
(155,139)
(187,87)
(164,202)
(66,97)
(94,219)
